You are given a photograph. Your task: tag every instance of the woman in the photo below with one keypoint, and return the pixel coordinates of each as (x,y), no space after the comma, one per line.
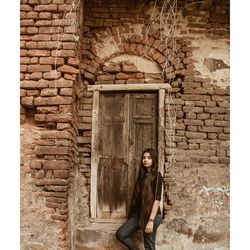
(144,211)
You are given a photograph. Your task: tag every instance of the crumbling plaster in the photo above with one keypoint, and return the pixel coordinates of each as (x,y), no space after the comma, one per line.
(212,49)
(38,231)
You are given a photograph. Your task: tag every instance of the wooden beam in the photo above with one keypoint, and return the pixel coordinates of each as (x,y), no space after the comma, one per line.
(129,87)
(161,138)
(94,155)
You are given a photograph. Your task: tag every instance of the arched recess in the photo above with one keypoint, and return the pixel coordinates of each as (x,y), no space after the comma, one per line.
(120,41)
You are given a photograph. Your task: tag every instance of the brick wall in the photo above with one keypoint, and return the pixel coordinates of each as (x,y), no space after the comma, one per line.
(64,47)
(49,67)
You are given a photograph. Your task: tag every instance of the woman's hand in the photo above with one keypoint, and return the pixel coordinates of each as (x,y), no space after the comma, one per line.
(149,227)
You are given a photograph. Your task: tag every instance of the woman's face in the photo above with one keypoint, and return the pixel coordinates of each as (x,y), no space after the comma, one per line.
(147,160)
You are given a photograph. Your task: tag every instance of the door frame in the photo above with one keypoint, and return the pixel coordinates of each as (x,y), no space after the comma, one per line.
(161,88)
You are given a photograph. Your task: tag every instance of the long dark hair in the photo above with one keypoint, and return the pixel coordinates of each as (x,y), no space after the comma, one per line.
(147,192)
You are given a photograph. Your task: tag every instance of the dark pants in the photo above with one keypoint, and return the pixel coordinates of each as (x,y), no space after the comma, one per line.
(132,225)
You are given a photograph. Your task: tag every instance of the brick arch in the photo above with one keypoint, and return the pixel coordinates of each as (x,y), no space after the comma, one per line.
(124,40)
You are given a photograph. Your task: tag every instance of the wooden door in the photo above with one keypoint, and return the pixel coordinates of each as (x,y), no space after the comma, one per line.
(142,132)
(128,124)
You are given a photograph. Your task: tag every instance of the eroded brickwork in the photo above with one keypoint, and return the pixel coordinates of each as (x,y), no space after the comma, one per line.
(66,46)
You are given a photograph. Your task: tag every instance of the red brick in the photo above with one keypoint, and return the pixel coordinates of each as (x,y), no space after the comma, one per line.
(112,69)
(129,81)
(61,83)
(43,150)
(162,47)
(68,69)
(56,100)
(122,76)
(132,47)
(73,61)
(56,199)
(55,135)
(33,92)
(50,30)
(35,164)
(54,194)
(28,84)
(126,47)
(209,123)
(211,129)
(139,75)
(40,117)
(23,68)
(22,92)
(43,23)
(23,30)
(38,53)
(129,68)
(34,60)
(41,37)
(59,217)
(45,15)
(32,30)
(196,135)
(42,84)
(31,45)
(157,55)
(59,117)
(105,77)
(52,75)
(27,101)
(49,45)
(222,123)
(48,109)
(40,101)
(66,91)
(49,92)
(51,60)
(214,110)
(56,165)
(69,77)
(39,68)
(63,126)
(63,53)
(46,7)
(63,37)
(61,174)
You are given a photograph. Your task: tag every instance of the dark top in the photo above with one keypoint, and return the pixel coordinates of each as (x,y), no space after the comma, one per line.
(157,189)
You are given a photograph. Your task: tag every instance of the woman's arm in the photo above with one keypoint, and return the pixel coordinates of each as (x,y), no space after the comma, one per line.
(150,224)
